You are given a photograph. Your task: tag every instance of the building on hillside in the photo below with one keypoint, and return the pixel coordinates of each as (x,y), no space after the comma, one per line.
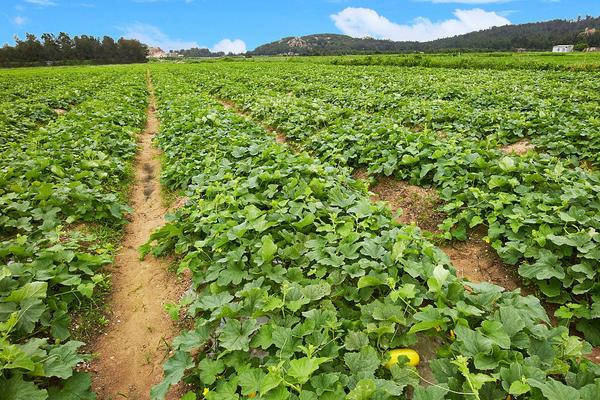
(590,49)
(156,52)
(563,48)
(521,50)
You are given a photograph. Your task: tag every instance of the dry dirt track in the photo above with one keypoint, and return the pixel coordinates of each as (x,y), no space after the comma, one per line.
(135,345)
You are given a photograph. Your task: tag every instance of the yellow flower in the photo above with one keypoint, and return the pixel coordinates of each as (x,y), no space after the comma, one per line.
(205,392)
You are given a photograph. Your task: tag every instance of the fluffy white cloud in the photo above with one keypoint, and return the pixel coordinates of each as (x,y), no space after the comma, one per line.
(153,36)
(227,46)
(41,2)
(360,22)
(19,20)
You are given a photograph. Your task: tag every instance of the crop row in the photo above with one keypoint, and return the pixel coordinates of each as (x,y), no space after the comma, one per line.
(28,101)
(55,185)
(558,112)
(489,61)
(301,285)
(542,213)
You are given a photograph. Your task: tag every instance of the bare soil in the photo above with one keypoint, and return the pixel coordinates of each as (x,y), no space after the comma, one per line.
(521,147)
(418,204)
(60,111)
(136,343)
(177,203)
(595,355)
(477,261)
(281,138)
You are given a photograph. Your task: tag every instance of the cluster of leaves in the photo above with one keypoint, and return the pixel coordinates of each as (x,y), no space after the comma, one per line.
(542,212)
(558,111)
(52,181)
(488,61)
(302,284)
(28,100)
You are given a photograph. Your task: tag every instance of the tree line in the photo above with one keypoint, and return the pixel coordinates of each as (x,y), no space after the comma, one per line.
(531,36)
(200,52)
(62,49)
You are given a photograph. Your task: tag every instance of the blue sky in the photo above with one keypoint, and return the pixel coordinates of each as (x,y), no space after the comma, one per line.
(238,25)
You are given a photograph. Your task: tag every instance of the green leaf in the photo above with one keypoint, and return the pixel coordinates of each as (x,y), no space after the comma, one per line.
(16,388)
(57,170)
(269,382)
(494,331)
(476,220)
(511,320)
(33,290)
(323,383)
(301,369)
(31,310)
(191,340)
(367,281)
(62,360)
(430,393)
(235,335)
(363,363)
(555,390)
(86,289)
(356,341)
(214,301)
(76,387)
(438,278)
(506,164)
(174,369)
(364,390)
(268,249)
(250,380)
(518,388)
(208,370)
(189,396)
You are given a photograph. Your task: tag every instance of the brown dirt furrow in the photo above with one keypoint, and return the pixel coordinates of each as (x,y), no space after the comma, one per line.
(136,343)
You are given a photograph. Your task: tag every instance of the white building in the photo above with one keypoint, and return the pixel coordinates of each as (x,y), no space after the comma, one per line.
(563,48)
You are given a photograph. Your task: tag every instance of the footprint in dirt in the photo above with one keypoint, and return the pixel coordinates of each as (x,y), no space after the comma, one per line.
(148,178)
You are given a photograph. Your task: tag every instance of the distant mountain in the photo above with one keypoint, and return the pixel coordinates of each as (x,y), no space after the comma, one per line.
(530,36)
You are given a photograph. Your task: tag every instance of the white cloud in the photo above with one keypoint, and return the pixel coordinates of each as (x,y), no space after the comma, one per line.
(227,46)
(360,22)
(153,36)
(41,2)
(18,20)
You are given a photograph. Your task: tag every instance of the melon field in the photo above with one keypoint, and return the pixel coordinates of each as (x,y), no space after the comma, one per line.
(298,229)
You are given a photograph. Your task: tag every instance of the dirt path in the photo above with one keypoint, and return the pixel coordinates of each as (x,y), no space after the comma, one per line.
(135,345)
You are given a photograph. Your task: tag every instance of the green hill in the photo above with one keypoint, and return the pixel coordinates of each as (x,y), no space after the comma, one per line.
(531,36)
